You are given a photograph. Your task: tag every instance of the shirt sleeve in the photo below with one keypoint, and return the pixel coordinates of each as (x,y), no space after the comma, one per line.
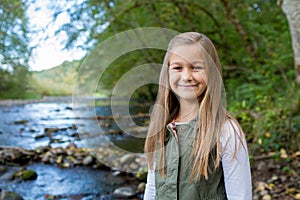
(235,162)
(150,186)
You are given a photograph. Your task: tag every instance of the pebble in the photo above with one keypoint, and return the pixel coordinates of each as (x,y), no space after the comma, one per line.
(133,166)
(141,187)
(255,197)
(69,152)
(263,193)
(127,158)
(88,160)
(260,186)
(266,197)
(123,193)
(66,165)
(46,157)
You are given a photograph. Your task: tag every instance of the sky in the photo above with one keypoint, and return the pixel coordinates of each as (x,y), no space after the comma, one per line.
(48,53)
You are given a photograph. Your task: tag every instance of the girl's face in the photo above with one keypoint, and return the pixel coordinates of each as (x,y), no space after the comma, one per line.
(187,76)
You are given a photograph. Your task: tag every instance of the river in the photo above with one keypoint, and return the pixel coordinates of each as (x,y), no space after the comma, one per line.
(26,125)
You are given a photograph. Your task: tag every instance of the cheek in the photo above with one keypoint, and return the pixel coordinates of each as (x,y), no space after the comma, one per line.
(202,78)
(171,80)
(173,77)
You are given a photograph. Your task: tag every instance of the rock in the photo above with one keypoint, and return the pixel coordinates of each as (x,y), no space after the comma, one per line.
(3,169)
(50,130)
(255,197)
(283,178)
(128,158)
(68,108)
(59,159)
(263,193)
(73,127)
(133,166)
(141,187)
(260,186)
(116,173)
(16,155)
(71,145)
(266,197)
(87,160)
(26,174)
(21,121)
(59,150)
(41,150)
(69,152)
(46,157)
(66,164)
(8,195)
(123,193)
(39,136)
(8,176)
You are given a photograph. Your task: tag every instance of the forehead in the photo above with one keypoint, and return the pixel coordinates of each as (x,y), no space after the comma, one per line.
(186,53)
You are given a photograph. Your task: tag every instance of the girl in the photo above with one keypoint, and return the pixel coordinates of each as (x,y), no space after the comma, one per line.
(195,148)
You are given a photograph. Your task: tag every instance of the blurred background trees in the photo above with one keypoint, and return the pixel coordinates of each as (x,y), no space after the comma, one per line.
(14,48)
(253,40)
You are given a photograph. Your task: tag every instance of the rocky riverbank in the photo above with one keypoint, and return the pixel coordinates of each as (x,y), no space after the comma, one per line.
(130,166)
(72,157)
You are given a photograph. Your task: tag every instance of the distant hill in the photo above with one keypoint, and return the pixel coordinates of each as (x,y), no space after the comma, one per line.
(56,81)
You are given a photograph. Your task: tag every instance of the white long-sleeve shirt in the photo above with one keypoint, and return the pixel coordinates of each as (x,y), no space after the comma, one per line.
(236,167)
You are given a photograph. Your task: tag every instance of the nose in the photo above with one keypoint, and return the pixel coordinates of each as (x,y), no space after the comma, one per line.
(186,75)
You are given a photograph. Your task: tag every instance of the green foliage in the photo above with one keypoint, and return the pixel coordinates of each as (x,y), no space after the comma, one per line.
(262,93)
(56,81)
(14,85)
(14,50)
(123,64)
(14,43)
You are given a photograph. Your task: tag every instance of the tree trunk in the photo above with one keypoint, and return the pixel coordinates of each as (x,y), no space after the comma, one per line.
(291,8)
(231,16)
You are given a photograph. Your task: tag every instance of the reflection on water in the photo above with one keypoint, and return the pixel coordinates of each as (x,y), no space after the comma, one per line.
(28,126)
(51,180)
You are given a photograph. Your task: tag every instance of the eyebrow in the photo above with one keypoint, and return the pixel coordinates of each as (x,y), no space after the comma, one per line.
(193,63)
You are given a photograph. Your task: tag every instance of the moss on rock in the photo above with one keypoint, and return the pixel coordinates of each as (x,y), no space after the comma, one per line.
(26,174)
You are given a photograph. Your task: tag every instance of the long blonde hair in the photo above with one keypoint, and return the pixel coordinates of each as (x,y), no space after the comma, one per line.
(212,114)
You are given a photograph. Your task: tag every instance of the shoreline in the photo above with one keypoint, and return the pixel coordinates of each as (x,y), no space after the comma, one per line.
(64,99)
(45,99)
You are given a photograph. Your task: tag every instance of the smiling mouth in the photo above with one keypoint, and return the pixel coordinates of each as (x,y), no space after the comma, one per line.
(188,86)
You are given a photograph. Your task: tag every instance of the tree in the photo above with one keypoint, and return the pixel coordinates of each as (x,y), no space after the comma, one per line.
(14,41)
(14,48)
(292,10)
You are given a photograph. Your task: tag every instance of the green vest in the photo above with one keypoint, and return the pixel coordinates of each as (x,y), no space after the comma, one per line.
(177,185)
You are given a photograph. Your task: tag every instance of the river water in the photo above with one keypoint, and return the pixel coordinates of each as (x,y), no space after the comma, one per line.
(26,126)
